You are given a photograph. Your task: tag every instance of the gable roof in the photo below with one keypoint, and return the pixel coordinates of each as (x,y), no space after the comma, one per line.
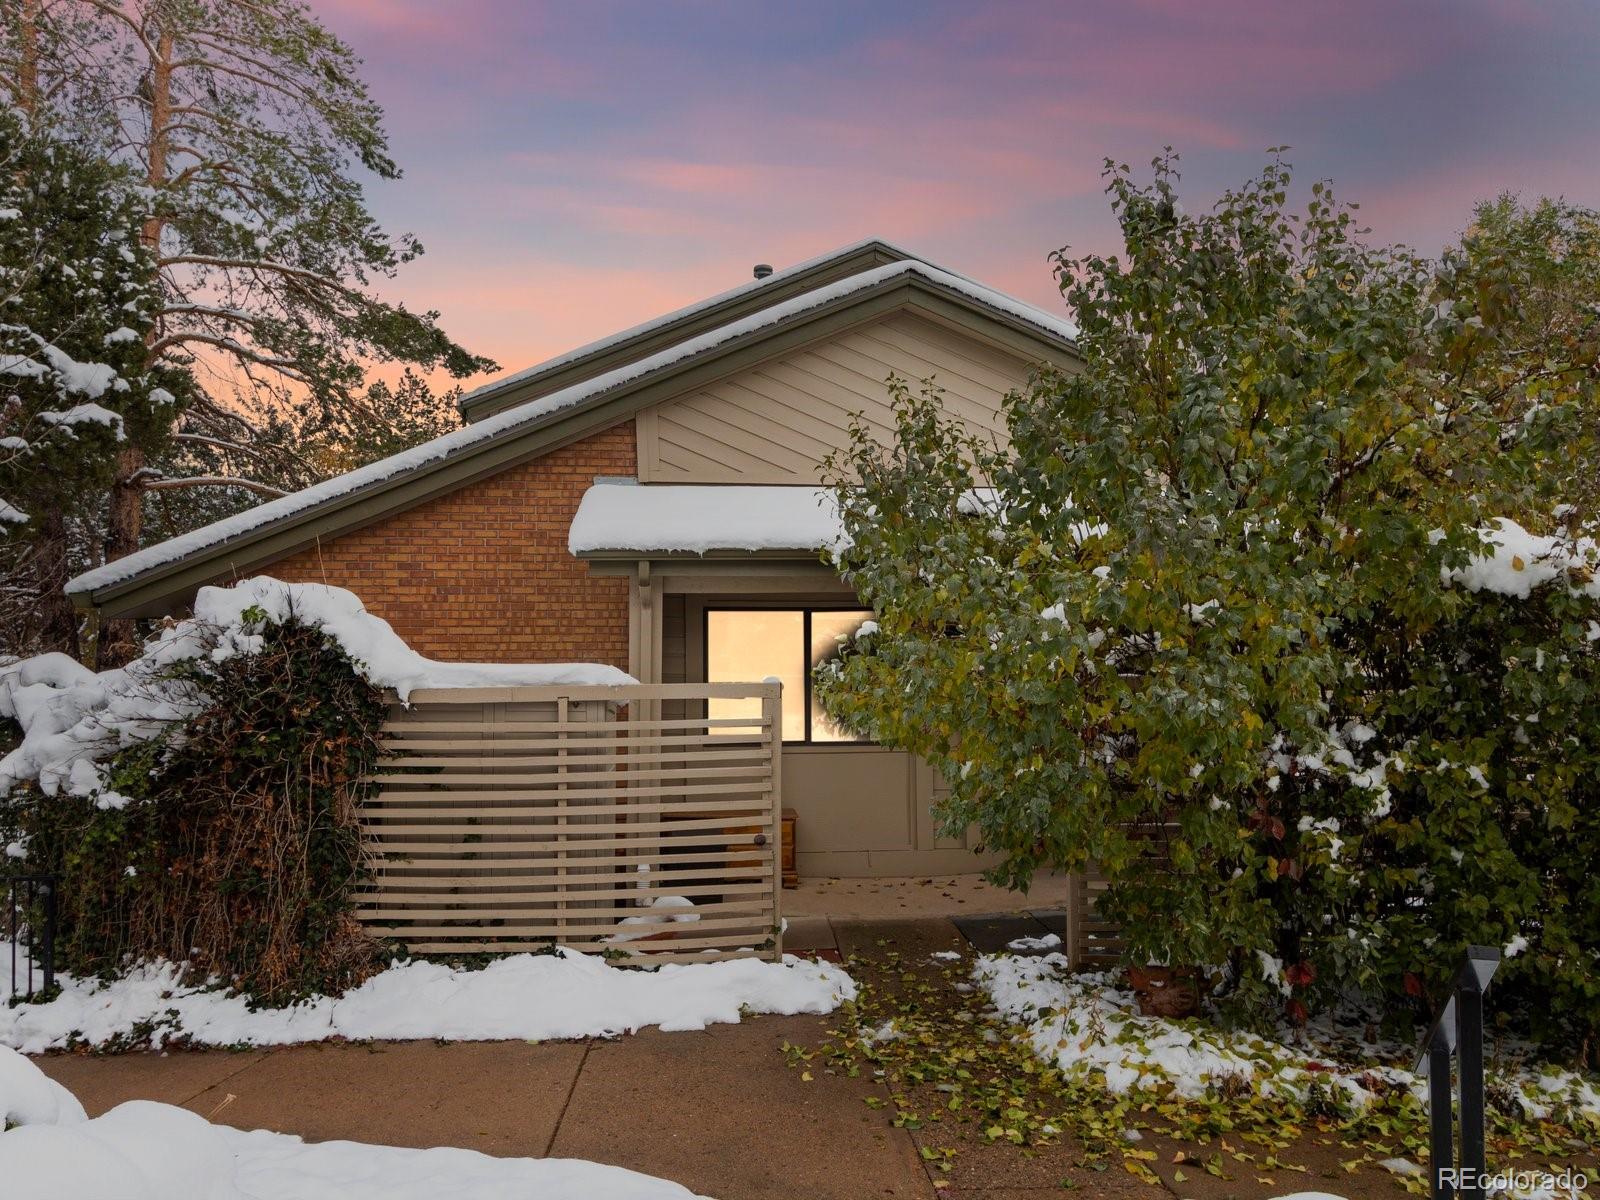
(148,581)
(641,340)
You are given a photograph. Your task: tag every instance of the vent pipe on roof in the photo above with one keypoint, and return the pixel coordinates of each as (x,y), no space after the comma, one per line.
(762,270)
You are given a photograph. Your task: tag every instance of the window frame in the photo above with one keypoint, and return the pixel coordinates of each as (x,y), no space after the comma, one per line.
(805,611)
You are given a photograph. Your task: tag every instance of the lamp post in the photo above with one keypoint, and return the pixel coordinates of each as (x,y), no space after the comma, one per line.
(1458,1030)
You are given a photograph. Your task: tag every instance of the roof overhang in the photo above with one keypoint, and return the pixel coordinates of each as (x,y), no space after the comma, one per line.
(633,344)
(158,579)
(662,522)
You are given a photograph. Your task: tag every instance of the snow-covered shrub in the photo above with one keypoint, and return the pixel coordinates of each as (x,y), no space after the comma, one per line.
(1485,732)
(199,804)
(1218,600)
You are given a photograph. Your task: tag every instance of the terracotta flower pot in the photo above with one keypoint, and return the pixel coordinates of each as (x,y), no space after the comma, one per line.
(1165,991)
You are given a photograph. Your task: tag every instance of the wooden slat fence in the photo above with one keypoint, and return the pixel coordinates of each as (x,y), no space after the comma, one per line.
(508,819)
(1092,941)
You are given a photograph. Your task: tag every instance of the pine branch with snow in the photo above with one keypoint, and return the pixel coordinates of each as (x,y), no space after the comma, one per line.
(77,394)
(245,125)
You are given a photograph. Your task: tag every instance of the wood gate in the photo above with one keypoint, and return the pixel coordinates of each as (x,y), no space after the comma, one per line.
(507,819)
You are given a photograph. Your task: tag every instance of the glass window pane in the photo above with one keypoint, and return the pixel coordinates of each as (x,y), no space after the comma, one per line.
(752,645)
(827,629)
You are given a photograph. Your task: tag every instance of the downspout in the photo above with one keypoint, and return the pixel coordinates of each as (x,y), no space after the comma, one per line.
(649,670)
(89,642)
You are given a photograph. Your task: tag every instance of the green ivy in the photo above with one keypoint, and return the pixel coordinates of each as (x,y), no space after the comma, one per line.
(239,852)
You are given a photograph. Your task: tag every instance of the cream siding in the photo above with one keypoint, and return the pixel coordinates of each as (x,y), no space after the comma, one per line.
(776,423)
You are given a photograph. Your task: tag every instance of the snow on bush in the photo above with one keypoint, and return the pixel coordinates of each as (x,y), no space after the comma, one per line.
(527,996)
(72,718)
(142,1150)
(1086,1023)
(1514,562)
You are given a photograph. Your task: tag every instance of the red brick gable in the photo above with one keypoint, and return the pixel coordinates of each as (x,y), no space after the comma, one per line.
(483,574)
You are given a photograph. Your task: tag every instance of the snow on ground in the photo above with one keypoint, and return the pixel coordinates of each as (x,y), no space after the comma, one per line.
(1088,1022)
(147,1151)
(523,996)
(72,717)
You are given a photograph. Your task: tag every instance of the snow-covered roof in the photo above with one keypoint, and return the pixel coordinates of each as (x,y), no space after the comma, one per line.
(645,329)
(626,518)
(526,417)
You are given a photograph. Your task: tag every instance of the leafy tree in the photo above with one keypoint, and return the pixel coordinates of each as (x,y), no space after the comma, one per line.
(245,119)
(1152,630)
(78,299)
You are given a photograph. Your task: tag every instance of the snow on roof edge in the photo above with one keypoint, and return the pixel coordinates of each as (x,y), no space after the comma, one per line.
(535,412)
(588,349)
(699,518)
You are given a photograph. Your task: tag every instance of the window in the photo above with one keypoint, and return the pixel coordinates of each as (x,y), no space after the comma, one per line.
(745,645)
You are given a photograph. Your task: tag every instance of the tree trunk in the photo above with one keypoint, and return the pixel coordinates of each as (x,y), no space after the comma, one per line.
(58,620)
(28,66)
(118,641)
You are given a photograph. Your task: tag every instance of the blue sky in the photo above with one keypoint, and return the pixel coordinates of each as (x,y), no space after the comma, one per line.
(575,168)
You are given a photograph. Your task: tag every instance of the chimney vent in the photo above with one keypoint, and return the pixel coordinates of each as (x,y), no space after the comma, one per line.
(762,270)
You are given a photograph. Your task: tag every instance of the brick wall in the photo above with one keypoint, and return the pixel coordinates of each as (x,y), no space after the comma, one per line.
(483,574)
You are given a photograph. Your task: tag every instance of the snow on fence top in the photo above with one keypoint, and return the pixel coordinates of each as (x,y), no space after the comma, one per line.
(696,519)
(71,717)
(490,428)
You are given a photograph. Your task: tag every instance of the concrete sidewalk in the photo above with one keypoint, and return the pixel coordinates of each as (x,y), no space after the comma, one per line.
(718,1111)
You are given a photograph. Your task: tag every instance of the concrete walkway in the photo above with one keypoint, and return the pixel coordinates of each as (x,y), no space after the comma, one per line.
(814,908)
(718,1111)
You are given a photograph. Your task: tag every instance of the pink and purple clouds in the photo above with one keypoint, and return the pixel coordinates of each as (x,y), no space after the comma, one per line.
(574,168)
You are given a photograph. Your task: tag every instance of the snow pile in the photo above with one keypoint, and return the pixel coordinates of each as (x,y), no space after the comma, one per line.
(526,996)
(1517,562)
(1086,1023)
(71,717)
(677,909)
(29,1097)
(147,1151)
(379,652)
(695,519)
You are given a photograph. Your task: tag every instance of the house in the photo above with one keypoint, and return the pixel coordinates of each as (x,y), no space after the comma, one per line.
(650,501)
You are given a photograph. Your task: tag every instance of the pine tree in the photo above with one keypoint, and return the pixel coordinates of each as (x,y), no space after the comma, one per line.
(246,121)
(78,300)
(293,449)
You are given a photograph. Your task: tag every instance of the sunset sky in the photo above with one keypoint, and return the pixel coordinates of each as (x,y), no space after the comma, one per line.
(574,168)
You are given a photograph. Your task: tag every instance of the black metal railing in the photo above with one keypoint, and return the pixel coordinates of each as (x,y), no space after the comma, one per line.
(30,928)
(1458,1032)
